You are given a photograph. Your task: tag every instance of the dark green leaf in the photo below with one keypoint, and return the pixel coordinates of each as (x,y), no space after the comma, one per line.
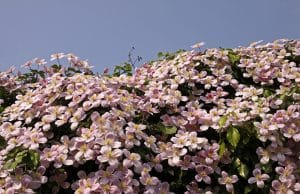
(267,93)
(248,189)
(34,159)
(267,168)
(160,54)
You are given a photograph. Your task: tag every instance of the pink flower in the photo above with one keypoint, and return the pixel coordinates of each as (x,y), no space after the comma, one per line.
(137,129)
(84,151)
(282,187)
(62,159)
(109,155)
(32,139)
(228,181)
(107,176)
(27,64)
(203,172)
(258,178)
(78,116)
(210,153)
(109,141)
(130,140)
(198,45)
(131,159)
(56,56)
(38,178)
(174,155)
(265,155)
(187,163)
(147,180)
(286,173)
(38,61)
(180,140)
(7,129)
(88,185)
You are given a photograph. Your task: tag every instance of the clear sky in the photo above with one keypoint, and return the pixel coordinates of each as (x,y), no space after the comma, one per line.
(104,31)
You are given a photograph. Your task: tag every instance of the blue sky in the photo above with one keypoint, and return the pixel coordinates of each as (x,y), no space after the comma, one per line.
(104,31)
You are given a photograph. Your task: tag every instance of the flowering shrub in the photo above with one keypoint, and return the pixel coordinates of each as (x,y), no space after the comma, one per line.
(213,121)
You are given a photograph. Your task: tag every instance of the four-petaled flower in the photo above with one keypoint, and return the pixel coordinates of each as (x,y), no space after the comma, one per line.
(258,178)
(228,181)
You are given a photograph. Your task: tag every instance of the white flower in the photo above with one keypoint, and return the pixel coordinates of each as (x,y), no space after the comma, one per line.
(198,45)
(56,56)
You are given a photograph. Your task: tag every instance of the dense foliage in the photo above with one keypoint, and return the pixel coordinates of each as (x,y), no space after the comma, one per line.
(211,121)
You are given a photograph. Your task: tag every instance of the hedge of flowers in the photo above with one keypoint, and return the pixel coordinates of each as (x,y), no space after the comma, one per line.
(200,121)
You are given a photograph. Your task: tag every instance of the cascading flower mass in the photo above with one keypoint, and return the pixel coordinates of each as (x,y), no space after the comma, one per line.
(200,121)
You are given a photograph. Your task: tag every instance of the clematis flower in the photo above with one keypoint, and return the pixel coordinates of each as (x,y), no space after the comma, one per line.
(210,153)
(174,155)
(84,151)
(62,159)
(198,45)
(258,178)
(7,129)
(203,172)
(265,155)
(131,159)
(130,140)
(106,176)
(180,140)
(38,178)
(27,64)
(88,185)
(109,141)
(56,56)
(137,129)
(113,119)
(78,116)
(282,187)
(286,173)
(32,139)
(109,155)
(39,61)
(228,181)
(147,180)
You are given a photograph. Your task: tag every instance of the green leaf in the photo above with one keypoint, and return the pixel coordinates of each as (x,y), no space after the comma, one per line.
(10,164)
(248,189)
(223,120)
(267,168)
(167,130)
(242,168)
(56,66)
(233,136)
(15,158)
(267,93)
(246,139)
(1,109)
(2,142)
(20,156)
(34,159)
(222,149)
(170,130)
(233,57)
(282,97)
(160,54)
